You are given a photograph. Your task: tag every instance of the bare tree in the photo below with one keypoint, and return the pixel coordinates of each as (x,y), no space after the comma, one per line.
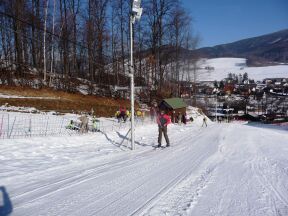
(121,9)
(90,39)
(18,10)
(74,7)
(44,39)
(101,35)
(158,12)
(52,43)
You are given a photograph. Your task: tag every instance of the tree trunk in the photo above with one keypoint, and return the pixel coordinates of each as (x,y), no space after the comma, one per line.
(44,40)
(17,25)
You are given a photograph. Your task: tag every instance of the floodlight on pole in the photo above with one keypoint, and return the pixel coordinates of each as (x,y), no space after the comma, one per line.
(136,13)
(136,9)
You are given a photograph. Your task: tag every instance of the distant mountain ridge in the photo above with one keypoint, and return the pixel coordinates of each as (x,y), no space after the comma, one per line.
(262,50)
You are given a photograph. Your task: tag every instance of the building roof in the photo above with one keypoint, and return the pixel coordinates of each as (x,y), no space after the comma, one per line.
(175,103)
(250,116)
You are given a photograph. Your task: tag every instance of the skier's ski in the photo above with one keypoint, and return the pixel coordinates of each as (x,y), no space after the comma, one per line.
(161,147)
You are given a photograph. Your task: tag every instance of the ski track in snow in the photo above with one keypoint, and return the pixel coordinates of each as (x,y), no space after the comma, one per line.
(62,184)
(220,170)
(268,172)
(235,194)
(244,187)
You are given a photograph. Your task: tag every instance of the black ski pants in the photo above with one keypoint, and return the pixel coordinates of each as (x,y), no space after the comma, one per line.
(164,131)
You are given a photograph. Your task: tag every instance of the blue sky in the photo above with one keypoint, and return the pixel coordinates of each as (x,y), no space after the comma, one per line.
(225,21)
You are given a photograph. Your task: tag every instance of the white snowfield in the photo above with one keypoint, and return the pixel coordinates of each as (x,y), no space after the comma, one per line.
(219,68)
(224,169)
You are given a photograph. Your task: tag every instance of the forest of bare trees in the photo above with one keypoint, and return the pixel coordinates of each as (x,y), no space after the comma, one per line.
(58,43)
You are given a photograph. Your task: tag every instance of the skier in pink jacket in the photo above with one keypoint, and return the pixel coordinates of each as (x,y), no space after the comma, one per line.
(163,120)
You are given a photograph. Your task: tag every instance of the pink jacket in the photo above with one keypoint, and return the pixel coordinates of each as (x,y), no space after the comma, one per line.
(163,120)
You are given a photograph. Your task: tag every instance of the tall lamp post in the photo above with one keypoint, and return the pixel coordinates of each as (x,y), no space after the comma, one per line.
(136,13)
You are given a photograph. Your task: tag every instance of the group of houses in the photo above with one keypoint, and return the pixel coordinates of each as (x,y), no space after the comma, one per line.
(177,106)
(268,85)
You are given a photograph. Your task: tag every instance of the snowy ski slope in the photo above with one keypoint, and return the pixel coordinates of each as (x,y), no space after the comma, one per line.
(224,169)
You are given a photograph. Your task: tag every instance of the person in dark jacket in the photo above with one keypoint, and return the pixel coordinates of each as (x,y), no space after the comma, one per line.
(163,120)
(123,115)
(204,121)
(184,120)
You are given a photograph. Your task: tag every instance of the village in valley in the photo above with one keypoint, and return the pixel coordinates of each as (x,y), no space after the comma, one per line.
(232,99)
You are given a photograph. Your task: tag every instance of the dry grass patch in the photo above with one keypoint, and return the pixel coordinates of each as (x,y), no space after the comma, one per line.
(62,101)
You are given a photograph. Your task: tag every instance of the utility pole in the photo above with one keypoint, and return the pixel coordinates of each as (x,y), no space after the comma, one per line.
(136,13)
(132,20)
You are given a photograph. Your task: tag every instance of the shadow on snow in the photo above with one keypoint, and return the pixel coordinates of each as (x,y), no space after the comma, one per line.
(7,208)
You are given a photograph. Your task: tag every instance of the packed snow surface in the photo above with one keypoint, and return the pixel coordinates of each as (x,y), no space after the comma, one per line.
(24,97)
(219,68)
(224,169)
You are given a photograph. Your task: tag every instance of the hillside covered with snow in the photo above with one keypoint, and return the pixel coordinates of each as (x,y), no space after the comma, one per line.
(219,68)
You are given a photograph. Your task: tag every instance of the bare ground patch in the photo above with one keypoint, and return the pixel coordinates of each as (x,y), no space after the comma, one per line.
(61,101)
